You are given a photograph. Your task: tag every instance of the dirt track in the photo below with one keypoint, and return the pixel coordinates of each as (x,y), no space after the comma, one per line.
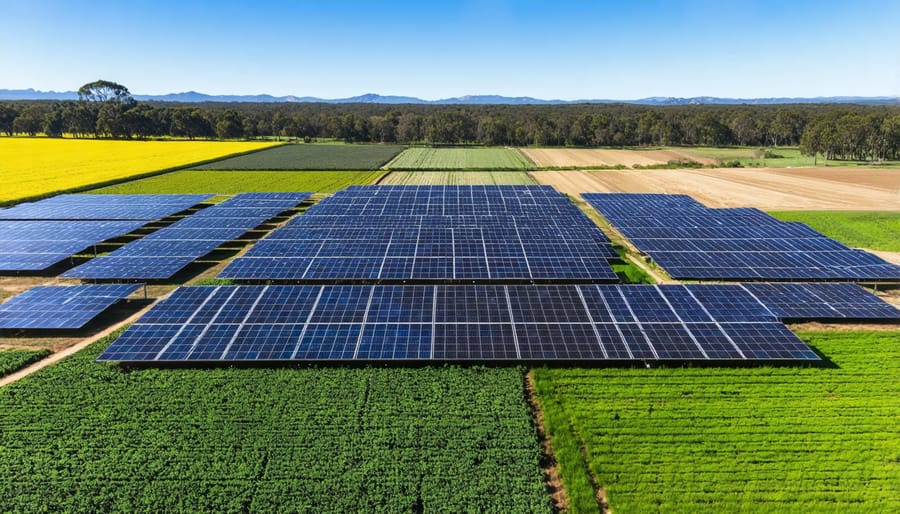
(764,188)
(581,157)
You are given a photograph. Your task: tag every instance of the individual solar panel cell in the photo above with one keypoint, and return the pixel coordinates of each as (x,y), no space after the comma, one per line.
(684,304)
(547,304)
(401,304)
(183,305)
(481,341)
(209,345)
(612,342)
(471,304)
(647,304)
(562,341)
(672,341)
(401,341)
(396,268)
(729,303)
(267,342)
(142,342)
(284,305)
(342,304)
(768,341)
(637,342)
(260,268)
(328,342)
(714,342)
(432,268)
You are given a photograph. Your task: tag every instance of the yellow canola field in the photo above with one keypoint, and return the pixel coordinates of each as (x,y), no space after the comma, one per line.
(32,167)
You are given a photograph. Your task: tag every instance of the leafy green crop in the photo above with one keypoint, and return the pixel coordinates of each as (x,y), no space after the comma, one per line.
(14,360)
(233,182)
(90,437)
(878,230)
(311,157)
(734,440)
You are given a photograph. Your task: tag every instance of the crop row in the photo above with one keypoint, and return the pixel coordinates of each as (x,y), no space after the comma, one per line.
(725,440)
(460,159)
(457,178)
(233,182)
(311,157)
(14,360)
(90,437)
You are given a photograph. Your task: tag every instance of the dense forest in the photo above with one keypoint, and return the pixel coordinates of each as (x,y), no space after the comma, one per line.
(843,131)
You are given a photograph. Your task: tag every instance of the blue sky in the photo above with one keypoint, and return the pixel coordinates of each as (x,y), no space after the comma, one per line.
(437,49)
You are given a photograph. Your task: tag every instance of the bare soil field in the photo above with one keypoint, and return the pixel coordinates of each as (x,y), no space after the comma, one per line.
(583,157)
(763,188)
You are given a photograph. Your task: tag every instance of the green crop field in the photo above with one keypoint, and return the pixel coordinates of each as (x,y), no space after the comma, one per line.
(233,182)
(457,178)
(460,159)
(311,157)
(734,440)
(861,229)
(14,360)
(90,437)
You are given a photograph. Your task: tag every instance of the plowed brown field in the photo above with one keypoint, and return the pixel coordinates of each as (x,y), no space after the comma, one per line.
(764,188)
(584,157)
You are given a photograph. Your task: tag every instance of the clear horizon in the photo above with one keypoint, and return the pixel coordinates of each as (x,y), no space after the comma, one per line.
(561,50)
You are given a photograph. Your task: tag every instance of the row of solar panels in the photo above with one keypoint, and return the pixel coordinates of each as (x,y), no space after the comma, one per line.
(477,322)
(71,307)
(693,242)
(35,236)
(555,242)
(165,252)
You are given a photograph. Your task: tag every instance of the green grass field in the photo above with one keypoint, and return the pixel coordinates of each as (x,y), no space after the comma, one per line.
(14,360)
(789,157)
(82,436)
(734,440)
(233,182)
(457,178)
(460,159)
(311,157)
(860,229)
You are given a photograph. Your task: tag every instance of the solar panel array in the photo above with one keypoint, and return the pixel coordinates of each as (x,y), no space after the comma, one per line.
(60,307)
(433,233)
(103,207)
(459,323)
(693,242)
(38,245)
(822,301)
(165,252)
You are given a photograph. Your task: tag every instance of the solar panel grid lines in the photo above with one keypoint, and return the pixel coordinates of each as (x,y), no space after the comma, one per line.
(60,307)
(693,242)
(103,207)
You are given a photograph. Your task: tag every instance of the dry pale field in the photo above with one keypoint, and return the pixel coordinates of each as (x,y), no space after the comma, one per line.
(764,188)
(583,157)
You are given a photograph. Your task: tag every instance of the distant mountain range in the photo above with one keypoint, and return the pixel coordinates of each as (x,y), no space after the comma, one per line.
(371,98)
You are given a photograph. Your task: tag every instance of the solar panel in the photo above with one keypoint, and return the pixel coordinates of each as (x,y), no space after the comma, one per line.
(822,301)
(458,322)
(103,207)
(60,307)
(692,242)
(38,245)
(165,252)
(450,234)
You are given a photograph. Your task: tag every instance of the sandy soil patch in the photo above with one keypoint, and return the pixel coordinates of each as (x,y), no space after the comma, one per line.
(584,157)
(763,188)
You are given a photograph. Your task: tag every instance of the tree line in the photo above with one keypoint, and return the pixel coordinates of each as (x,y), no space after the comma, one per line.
(858,132)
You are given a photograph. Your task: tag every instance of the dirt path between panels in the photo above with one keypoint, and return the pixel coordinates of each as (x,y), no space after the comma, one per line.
(763,188)
(75,348)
